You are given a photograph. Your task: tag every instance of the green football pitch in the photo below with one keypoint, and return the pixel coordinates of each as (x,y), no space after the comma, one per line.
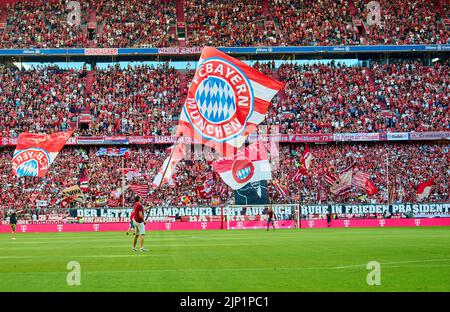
(411,259)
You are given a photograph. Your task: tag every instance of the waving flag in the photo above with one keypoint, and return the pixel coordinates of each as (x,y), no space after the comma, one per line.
(248,165)
(35,153)
(130,173)
(424,189)
(177,152)
(111,151)
(343,185)
(226,101)
(141,190)
(362,181)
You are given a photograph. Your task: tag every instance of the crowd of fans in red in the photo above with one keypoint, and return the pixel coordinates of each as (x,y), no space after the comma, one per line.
(312,22)
(227,23)
(38,100)
(404,165)
(43,24)
(135,100)
(405,22)
(333,98)
(146,100)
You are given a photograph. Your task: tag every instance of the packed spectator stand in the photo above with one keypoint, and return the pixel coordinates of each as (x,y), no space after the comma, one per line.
(404,165)
(146,100)
(399,96)
(134,23)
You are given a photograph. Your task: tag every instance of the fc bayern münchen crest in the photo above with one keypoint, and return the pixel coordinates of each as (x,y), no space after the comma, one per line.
(31,162)
(222,100)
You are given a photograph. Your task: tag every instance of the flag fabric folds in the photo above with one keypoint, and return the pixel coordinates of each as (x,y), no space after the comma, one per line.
(424,189)
(226,101)
(280,188)
(130,173)
(35,153)
(361,180)
(249,164)
(111,151)
(73,193)
(139,189)
(177,152)
(343,185)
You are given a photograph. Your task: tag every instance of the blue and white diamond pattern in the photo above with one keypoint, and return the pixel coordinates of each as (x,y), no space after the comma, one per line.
(215,99)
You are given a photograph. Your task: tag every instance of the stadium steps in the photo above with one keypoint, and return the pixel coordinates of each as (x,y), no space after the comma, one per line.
(89,81)
(352,9)
(444,18)
(183,86)
(3,17)
(265,8)
(180,10)
(281,94)
(374,87)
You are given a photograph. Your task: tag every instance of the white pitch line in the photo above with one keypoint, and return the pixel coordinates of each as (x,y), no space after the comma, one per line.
(388,263)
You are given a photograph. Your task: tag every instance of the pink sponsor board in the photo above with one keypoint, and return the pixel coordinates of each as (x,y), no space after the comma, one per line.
(216,225)
(354,223)
(105,227)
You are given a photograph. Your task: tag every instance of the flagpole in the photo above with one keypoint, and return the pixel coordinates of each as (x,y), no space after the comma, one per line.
(123,183)
(170,158)
(387,178)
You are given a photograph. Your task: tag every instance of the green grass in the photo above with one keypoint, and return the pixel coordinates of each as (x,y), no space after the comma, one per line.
(412,259)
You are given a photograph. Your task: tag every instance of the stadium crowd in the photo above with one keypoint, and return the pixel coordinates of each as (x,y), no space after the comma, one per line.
(43,24)
(40,99)
(405,22)
(135,23)
(310,22)
(227,23)
(146,100)
(333,98)
(138,100)
(405,165)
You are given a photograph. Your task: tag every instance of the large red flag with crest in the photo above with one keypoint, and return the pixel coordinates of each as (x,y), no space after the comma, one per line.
(35,153)
(226,101)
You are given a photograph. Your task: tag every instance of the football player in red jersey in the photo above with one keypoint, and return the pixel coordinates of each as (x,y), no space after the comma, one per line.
(139,224)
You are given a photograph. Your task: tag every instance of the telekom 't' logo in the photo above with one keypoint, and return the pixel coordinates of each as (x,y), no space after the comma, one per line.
(96,227)
(417,222)
(311,223)
(23,228)
(168,226)
(382,222)
(59,227)
(346,223)
(204,225)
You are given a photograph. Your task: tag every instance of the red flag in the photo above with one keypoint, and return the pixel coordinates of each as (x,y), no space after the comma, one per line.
(226,101)
(424,189)
(35,153)
(204,191)
(361,181)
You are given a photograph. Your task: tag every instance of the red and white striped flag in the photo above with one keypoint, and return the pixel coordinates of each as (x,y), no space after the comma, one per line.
(330,178)
(424,189)
(139,189)
(226,101)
